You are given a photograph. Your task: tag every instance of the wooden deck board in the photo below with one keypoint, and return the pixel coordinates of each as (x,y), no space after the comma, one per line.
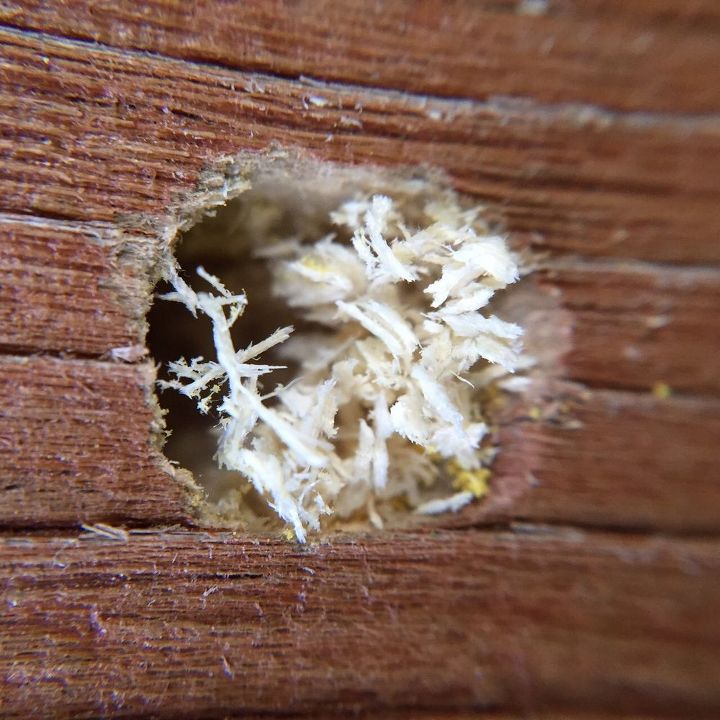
(66,288)
(593,52)
(523,620)
(634,327)
(572,180)
(76,446)
(586,585)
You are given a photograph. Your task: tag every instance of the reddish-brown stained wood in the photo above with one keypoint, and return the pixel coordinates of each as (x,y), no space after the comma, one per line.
(642,56)
(636,326)
(64,290)
(636,461)
(99,142)
(60,289)
(563,179)
(75,445)
(462,619)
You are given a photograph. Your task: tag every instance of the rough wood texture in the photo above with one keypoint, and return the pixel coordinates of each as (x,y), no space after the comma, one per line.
(75,445)
(637,326)
(521,620)
(591,131)
(568,179)
(64,289)
(665,51)
(635,462)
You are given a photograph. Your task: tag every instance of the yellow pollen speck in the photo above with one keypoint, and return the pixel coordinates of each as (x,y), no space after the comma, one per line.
(474,481)
(661,390)
(288,534)
(432,452)
(399,504)
(313,263)
(535,413)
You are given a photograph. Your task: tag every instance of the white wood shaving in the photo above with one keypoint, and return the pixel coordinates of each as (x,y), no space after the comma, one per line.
(385,390)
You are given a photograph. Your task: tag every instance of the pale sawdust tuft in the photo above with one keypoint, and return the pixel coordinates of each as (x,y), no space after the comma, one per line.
(387,388)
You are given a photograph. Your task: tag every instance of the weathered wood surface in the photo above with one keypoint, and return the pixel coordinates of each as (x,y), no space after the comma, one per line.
(75,447)
(635,462)
(631,54)
(517,620)
(128,132)
(80,289)
(64,289)
(637,326)
(591,131)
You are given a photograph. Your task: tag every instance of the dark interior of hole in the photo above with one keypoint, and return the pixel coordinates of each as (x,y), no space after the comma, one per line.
(224,246)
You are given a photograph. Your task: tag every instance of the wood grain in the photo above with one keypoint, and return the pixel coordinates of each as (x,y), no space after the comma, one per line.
(467,619)
(560,179)
(83,290)
(635,462)
(635,326)
(71,288)
(75,445)
(633,55)
(587,584)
